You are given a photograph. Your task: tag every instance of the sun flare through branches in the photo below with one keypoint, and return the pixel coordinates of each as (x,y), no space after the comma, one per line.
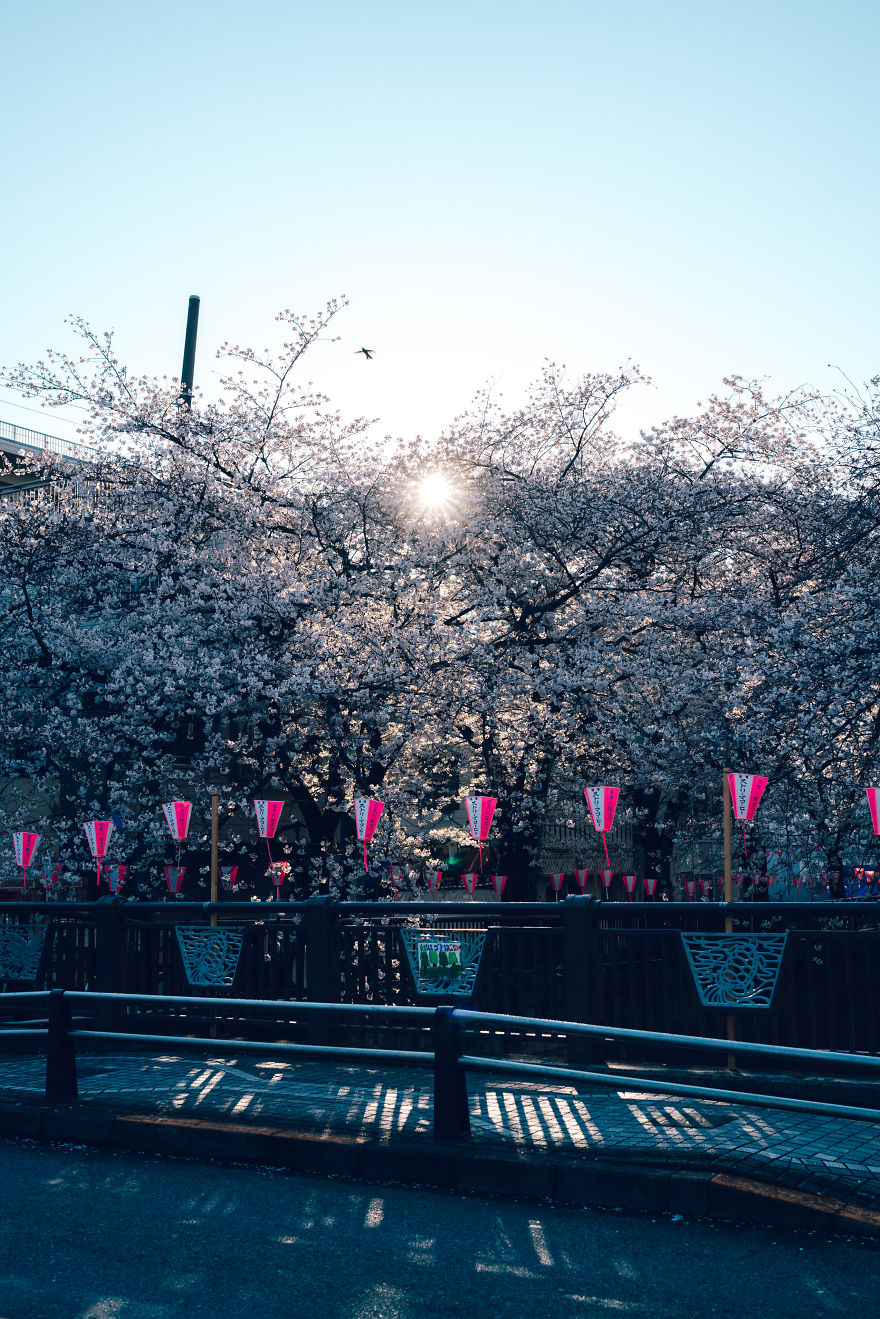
(435,491)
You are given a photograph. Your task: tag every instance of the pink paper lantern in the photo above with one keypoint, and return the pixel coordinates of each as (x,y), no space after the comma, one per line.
(874,808)
(690,887)
(650,882)
(629,883)
(367,811)
(115,877)
(228,877)
(606,876)
(50,875)
(498,883)
(26,845)
(278,873)
(580,878)
(174,877)
(746,791)
(98,834)
(177,814)
(479,813)
(434,879)
(470,882)
(602,802)
(268,814)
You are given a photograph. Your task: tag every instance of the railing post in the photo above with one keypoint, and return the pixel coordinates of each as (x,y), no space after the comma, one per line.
(582,975)
(108,923)
(322,977)
(452,1118)
(322,973)
(61,1081)
(108,959)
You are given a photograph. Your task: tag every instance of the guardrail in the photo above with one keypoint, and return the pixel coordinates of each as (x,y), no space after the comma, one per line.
(38,441)
(618,965)
(444,1026)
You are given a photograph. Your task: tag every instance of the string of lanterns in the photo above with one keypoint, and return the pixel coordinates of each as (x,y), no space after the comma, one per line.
(746,791)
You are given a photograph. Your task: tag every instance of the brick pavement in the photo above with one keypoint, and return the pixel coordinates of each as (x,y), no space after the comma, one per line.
(805,1153)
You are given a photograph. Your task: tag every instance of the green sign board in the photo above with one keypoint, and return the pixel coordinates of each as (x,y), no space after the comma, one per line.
(444,961)
(439,959)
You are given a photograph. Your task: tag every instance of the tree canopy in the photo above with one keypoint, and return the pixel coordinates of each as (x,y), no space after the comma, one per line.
(251,591)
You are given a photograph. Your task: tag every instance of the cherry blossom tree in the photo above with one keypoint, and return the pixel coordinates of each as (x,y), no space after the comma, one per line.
(250,591)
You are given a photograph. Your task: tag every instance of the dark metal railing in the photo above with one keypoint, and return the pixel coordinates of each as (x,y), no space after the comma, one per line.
(27,438)
(616,964)
(446,1026)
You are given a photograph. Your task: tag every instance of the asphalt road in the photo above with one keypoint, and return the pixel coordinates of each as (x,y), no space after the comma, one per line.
(89,1234)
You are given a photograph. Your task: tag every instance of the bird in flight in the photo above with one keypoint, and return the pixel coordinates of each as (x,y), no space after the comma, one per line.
(367,352)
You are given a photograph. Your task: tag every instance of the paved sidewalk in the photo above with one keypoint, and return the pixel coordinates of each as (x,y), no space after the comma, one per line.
(531,1127)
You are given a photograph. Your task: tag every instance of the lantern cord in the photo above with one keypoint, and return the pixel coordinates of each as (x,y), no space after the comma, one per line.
(605,845)
(480,846)
(745,844)
(366,867)
(269,850)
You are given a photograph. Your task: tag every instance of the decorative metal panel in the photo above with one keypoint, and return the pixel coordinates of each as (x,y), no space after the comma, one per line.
(735,970)
(445,961)
(20,949)
(210,956)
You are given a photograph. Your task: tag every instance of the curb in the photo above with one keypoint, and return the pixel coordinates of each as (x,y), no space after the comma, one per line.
(450,1166)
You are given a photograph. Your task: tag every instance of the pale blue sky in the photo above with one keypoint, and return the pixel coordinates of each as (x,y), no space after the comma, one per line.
(690,185)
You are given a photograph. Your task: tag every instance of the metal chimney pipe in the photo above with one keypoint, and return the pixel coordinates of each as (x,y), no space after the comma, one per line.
(189,352)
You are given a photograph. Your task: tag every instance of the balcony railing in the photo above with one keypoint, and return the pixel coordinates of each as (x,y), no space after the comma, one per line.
(23,437)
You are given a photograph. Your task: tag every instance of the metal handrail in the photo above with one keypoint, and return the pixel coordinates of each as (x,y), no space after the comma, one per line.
(451,1063)
(619,1082)
(288,1007)
(39,440)
(463,1016)
(418,1056)
(707,1043)
(766,910)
